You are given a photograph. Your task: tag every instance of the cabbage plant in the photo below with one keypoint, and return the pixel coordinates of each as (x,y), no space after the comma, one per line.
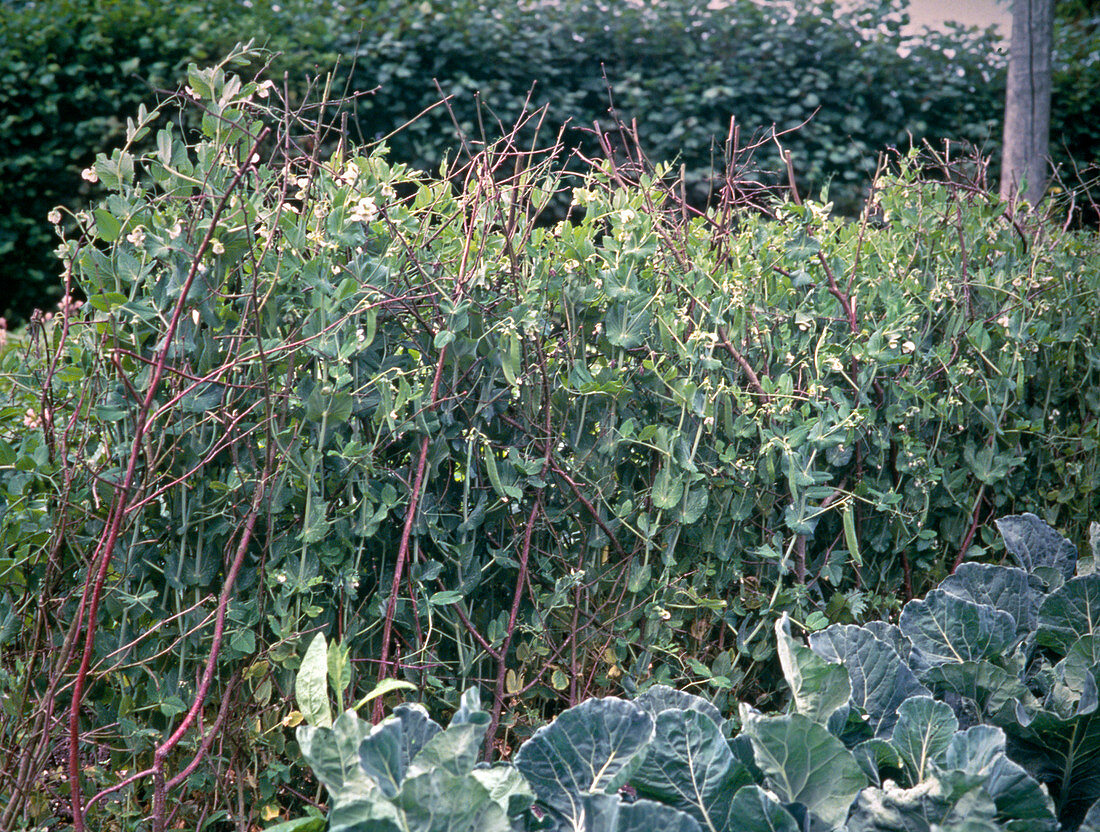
(981,702)
(410,774)
(976,711)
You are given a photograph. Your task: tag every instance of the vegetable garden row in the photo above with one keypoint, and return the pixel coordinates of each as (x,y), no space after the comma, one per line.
(646,447)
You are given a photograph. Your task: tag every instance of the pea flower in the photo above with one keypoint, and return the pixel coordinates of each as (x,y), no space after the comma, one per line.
(365,210)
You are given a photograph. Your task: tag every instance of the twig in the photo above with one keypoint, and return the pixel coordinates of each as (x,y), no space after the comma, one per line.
(513,614)
(89,607)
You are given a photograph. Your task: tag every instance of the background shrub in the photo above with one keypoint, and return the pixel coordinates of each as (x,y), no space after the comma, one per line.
(315,392)
(683,69)
(1075,113)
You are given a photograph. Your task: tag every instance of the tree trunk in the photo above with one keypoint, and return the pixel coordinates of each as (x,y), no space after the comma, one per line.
(1024,165)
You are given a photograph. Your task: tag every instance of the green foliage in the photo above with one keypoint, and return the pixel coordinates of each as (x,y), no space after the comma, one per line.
(684,69)
(681,69)
(1075,114)
(72,73)
(408,774)
(325,393)
(951,758)
(1030,694)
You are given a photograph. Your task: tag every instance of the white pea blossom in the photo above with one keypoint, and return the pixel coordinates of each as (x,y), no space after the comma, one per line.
(89,175)
(217,247)
(365,210)
(136,237)
(350,174)
(54,217)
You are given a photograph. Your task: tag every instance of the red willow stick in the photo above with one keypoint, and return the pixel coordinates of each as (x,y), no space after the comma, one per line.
(89,608)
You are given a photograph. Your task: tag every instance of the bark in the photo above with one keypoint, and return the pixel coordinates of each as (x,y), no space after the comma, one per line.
(1024,163)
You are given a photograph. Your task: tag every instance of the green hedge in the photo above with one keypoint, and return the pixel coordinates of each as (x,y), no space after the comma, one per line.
(682,69)
(557,460)
(1075,111)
